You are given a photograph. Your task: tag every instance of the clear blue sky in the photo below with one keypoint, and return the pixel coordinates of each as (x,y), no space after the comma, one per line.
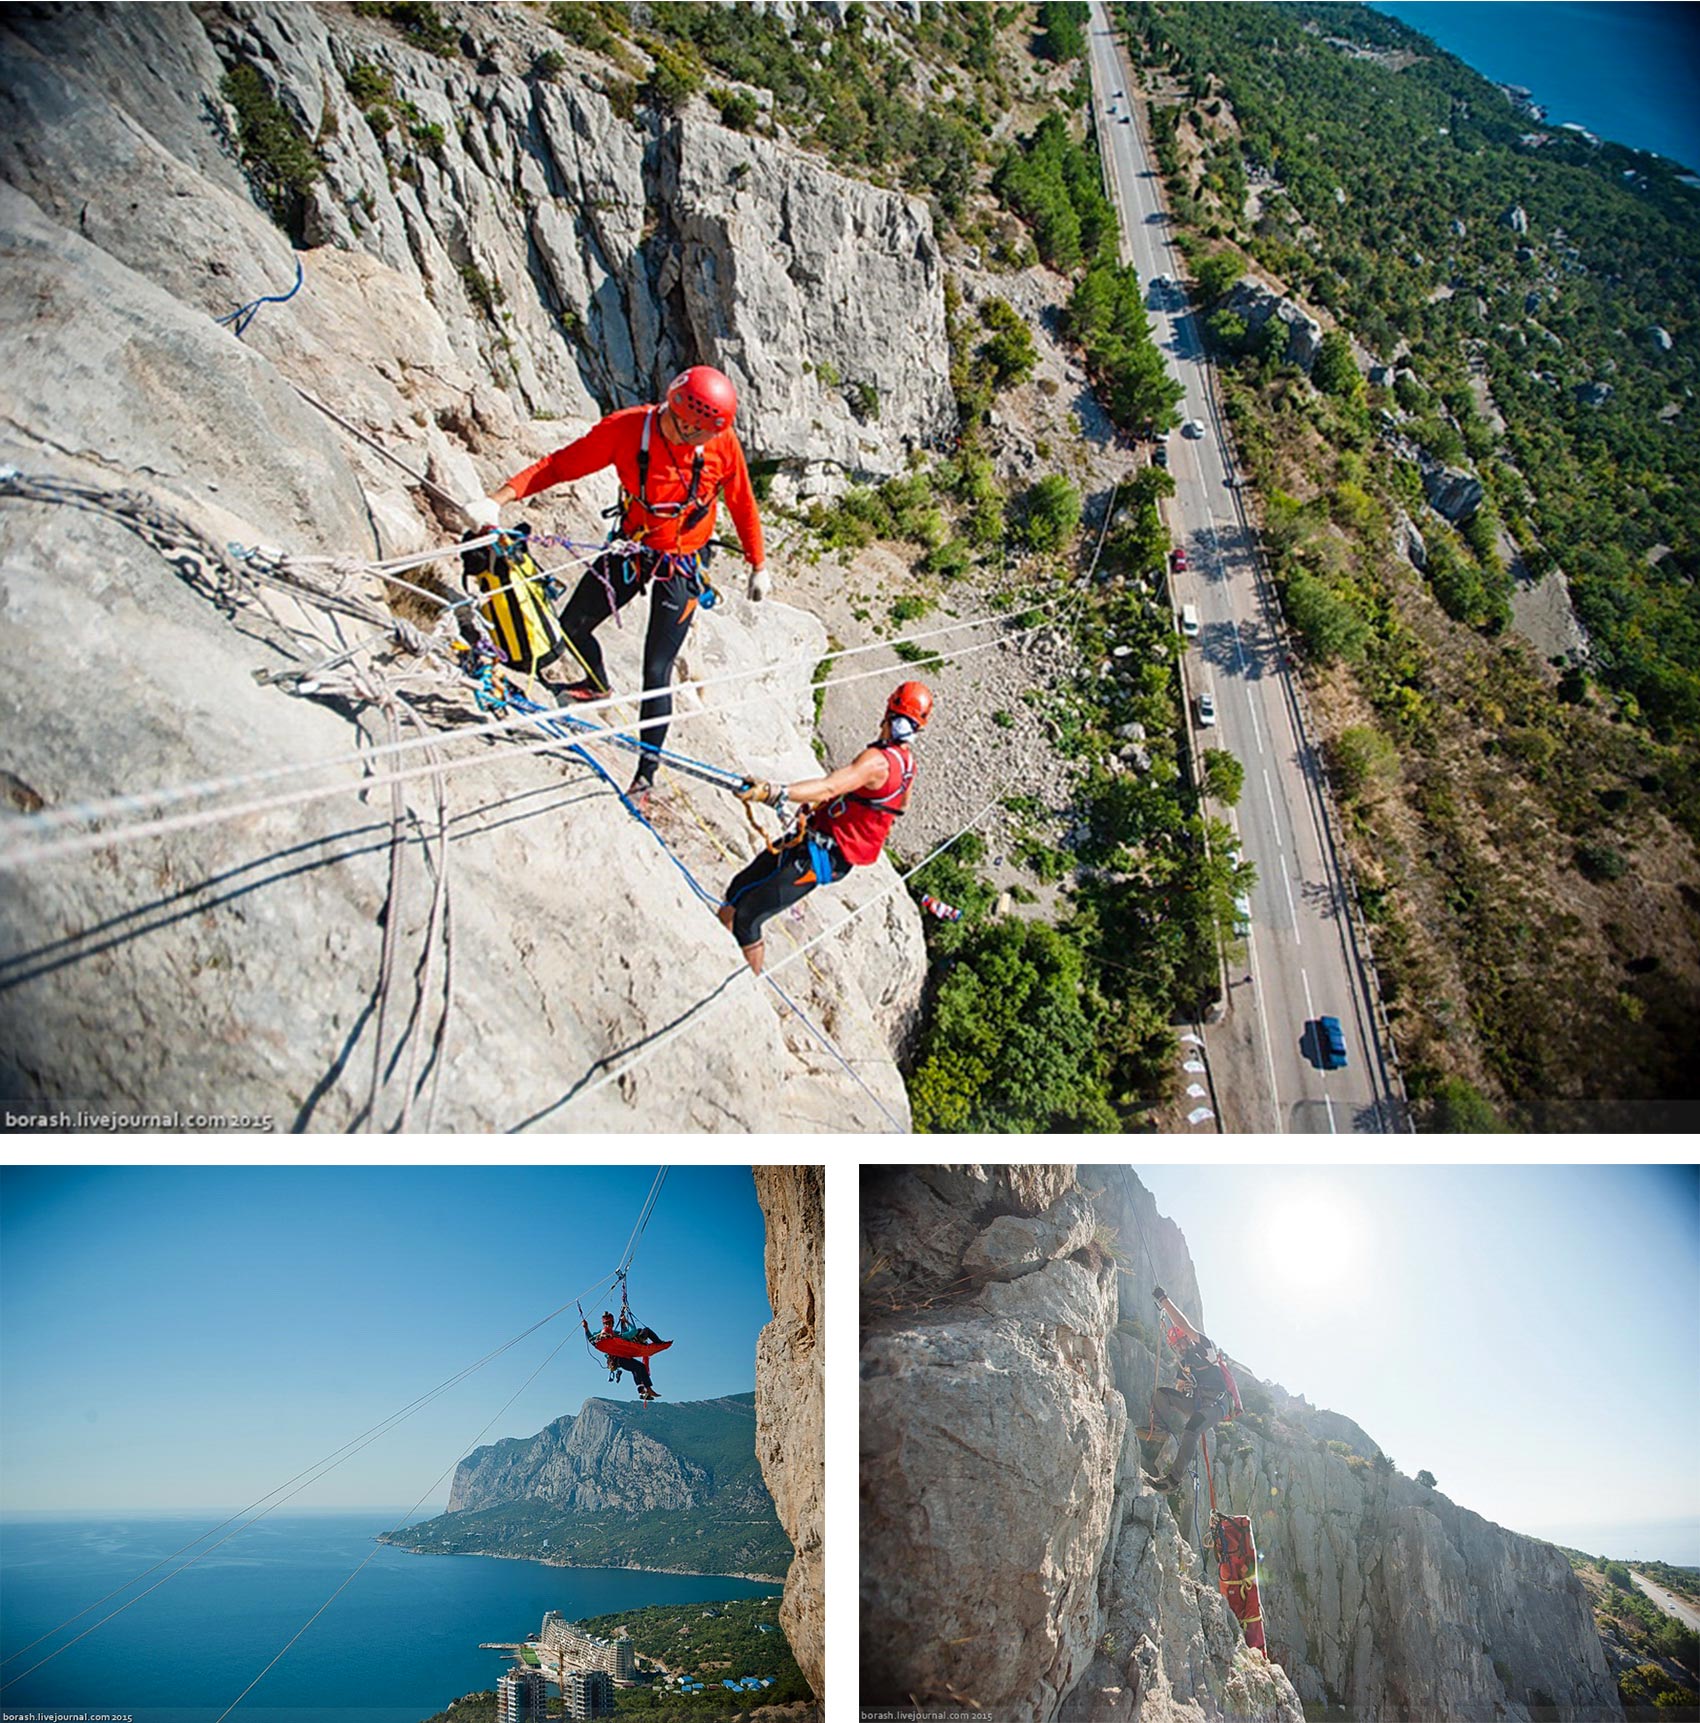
(1529,1334)
(191,1337)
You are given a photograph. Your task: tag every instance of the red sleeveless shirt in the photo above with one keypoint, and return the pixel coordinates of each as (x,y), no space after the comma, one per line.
(860,824)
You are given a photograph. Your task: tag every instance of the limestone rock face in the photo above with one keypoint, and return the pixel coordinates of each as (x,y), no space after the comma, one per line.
(599,1459)
(1409,541)
(990,1436)
(480,282)
(777,261)
(790,1398)
(1010,1558)
(1255,304)
(1451,492)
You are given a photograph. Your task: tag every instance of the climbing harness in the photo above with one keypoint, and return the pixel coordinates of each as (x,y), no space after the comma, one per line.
(690,511)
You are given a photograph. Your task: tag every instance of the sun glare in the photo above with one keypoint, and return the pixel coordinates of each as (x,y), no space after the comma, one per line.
(1315,1239)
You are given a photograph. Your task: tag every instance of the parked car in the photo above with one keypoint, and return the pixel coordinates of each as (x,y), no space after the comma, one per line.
(1189,621)
(1206,718)
(1330,1043)
(1177,559)
(1160,454)
(1242,916)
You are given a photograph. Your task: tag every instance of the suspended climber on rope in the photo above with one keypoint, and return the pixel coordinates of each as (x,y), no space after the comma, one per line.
(675,459)
(845,820)
(626,1344)
(1204,1394)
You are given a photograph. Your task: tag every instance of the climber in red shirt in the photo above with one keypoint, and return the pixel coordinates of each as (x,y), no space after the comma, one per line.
(855,809)
(1205,1393)
(674,460)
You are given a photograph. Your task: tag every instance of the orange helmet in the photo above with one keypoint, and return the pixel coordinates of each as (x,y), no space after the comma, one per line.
(703,397)
(911,700)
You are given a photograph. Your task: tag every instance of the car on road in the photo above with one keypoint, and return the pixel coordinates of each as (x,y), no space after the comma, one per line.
(1193,428)
(1330,1044)
(1242,916)
(1177,559)
(1206,703)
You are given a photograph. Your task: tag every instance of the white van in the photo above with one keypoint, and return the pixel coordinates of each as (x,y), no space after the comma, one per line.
(1189,621)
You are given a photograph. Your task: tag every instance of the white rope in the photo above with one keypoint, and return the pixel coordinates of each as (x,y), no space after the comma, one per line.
(642,1222)
(26,842)
(303,1480)
(403,1522)
(826,1041)
(723,988)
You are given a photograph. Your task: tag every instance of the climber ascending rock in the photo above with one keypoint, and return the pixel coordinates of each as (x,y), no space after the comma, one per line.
(1204,1393)
(674,461)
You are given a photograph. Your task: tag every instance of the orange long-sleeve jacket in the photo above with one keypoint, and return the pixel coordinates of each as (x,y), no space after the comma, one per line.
(614,442)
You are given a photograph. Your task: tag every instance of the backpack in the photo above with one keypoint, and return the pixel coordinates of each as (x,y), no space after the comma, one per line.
(516,611)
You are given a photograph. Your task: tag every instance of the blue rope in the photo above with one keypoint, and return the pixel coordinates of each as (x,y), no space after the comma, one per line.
(243,315)
(634,744)
(549,723)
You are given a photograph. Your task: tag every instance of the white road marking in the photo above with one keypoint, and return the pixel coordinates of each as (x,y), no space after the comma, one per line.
(1269,795)
(1268,1042)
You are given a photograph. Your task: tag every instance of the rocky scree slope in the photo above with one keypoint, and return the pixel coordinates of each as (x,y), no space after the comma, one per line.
(1012,1554)
(481,281)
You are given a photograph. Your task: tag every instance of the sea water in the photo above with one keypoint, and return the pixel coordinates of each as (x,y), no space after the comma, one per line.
(1629,72)
(394,1647)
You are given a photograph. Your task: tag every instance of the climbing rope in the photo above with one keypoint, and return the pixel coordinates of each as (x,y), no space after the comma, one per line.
(239,319)
(849,1070)
(273,1499)
(701,1009)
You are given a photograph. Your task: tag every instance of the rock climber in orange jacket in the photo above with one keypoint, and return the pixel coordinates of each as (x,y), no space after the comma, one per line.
(675,459)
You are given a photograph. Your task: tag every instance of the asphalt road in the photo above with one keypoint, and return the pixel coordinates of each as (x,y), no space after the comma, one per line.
(1668,1601)
(1302,960)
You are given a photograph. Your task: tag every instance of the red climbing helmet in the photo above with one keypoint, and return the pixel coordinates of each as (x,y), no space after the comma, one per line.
(911,700)
(703,398)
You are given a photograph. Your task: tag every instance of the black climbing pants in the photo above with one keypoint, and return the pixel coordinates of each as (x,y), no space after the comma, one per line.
(609,585)
(1175,1404)
(773,882)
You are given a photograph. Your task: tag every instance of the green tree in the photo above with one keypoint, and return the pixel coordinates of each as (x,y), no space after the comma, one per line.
(1224,776)
(1426,1479)
(1216,273)
(1459,1107)
(1336,371)
(1009,347)
(1330,626)
(1048,513)
(1363,760)
(1011,1044)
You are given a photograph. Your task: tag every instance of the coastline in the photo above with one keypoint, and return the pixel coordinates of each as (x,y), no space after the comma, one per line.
(562,1561)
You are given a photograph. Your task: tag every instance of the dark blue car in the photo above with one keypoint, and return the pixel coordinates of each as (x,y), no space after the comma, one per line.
(1330,1043)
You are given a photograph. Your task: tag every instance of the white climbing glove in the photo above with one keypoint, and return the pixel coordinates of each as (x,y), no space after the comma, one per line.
(761,584)
(483,512)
